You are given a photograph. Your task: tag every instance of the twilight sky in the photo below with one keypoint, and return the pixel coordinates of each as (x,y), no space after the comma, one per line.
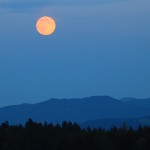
(100,47)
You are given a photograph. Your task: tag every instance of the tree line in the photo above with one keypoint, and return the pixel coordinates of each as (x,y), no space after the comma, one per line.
(69,136)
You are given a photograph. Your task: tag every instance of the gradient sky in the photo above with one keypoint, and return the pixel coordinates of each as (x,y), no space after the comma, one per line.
(100,47)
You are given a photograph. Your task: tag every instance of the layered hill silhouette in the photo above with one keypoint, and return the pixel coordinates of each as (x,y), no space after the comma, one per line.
(144,103)
(80,110)
(109,123)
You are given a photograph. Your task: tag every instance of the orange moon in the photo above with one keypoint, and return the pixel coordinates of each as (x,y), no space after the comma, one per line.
(45,25)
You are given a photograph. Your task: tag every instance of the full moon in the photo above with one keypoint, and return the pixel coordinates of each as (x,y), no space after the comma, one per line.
(45,25)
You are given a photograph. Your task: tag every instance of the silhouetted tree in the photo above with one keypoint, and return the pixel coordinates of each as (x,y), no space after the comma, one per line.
(68,136)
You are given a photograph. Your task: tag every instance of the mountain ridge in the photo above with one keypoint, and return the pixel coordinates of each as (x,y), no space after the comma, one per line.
(75,110)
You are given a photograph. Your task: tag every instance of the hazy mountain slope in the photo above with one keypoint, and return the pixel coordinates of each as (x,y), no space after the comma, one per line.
(145,103)
(109,123)
(79,110)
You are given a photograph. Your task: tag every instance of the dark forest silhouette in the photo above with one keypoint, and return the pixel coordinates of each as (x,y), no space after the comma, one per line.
(68,136)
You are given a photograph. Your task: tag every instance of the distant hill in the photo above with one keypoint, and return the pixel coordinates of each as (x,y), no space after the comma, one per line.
(109,123)
(145,103)
(77,110)
(126,99)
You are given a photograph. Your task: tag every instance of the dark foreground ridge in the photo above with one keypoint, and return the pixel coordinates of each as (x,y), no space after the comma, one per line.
(68,136)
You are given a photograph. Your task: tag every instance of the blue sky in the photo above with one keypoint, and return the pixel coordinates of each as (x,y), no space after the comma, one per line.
(98,48)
